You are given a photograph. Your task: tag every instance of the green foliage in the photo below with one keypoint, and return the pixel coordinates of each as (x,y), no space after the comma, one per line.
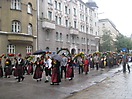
(123,42)
(107,42)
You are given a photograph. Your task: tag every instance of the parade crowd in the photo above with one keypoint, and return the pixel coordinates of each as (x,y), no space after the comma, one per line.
(55,69)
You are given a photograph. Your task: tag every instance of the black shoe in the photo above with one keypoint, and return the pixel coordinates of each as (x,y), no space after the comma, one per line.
(46,81)
(23,78)
(37,80)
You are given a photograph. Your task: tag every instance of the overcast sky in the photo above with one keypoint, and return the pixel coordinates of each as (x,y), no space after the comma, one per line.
(119,12)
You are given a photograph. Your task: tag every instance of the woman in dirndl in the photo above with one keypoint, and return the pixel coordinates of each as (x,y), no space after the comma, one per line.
(86,68)
(55,78)
(70,69)
(30,67)
(38,70)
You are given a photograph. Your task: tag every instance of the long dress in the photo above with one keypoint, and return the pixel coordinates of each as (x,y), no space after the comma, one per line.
(70,70)
(86,66)
(1,69)
(38,70)
(55,78)
(30,68)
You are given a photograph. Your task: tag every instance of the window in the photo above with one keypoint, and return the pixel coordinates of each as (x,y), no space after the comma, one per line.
(67,38)
(11,48)
(82,40)
(29,49)
(87,41)
(57,36)
(47,34)
(16,26)
(74,24)
(73,39)
(87,30)
(77,39)
(86,10)
(60,36)
(103,25)
(86,19)
(59,20)
(66,9)
(30,29)
(49,1)
(56,19)
(69,11)
(50,15)
(66,23)
(74,11)
(29,9)
(42,15)
(56,4)
(59,6)
(15,4)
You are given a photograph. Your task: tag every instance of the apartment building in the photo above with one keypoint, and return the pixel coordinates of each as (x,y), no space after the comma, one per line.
(105,25)
(70,24)
(18,26)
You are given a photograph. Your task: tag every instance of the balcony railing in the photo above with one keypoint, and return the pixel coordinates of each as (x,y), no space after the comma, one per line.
(47,24)
(74,31)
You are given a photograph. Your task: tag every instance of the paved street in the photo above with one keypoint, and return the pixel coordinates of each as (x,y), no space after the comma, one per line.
(30,89)
(119,86)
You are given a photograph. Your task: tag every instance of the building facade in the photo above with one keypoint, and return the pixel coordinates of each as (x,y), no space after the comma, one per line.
(70,24)
(107,25)
(18,30)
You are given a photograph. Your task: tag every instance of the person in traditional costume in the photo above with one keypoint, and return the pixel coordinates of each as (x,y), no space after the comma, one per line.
(86,68)
(96,61)
(55,78)
(70,69)
(48,68)
(1,69)
(30,67)
(19,66)
(63,65)
(38,70)
(103,62)
(15,68)
(91,62)
(80,63)
(8,67)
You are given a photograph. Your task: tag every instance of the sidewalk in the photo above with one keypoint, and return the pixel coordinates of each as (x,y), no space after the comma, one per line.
(118,86)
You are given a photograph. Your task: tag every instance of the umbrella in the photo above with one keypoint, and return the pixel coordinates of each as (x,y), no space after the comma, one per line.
(56,56)
(39,52)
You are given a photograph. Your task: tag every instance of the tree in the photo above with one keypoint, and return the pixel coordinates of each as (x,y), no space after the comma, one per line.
(123,42)
(106,43)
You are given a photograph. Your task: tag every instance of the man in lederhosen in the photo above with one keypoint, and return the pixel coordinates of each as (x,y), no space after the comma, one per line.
(48,68)
(20,63)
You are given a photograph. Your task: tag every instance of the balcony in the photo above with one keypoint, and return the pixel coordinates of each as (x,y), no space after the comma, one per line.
(74,31)
(47,24)
(20,37)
